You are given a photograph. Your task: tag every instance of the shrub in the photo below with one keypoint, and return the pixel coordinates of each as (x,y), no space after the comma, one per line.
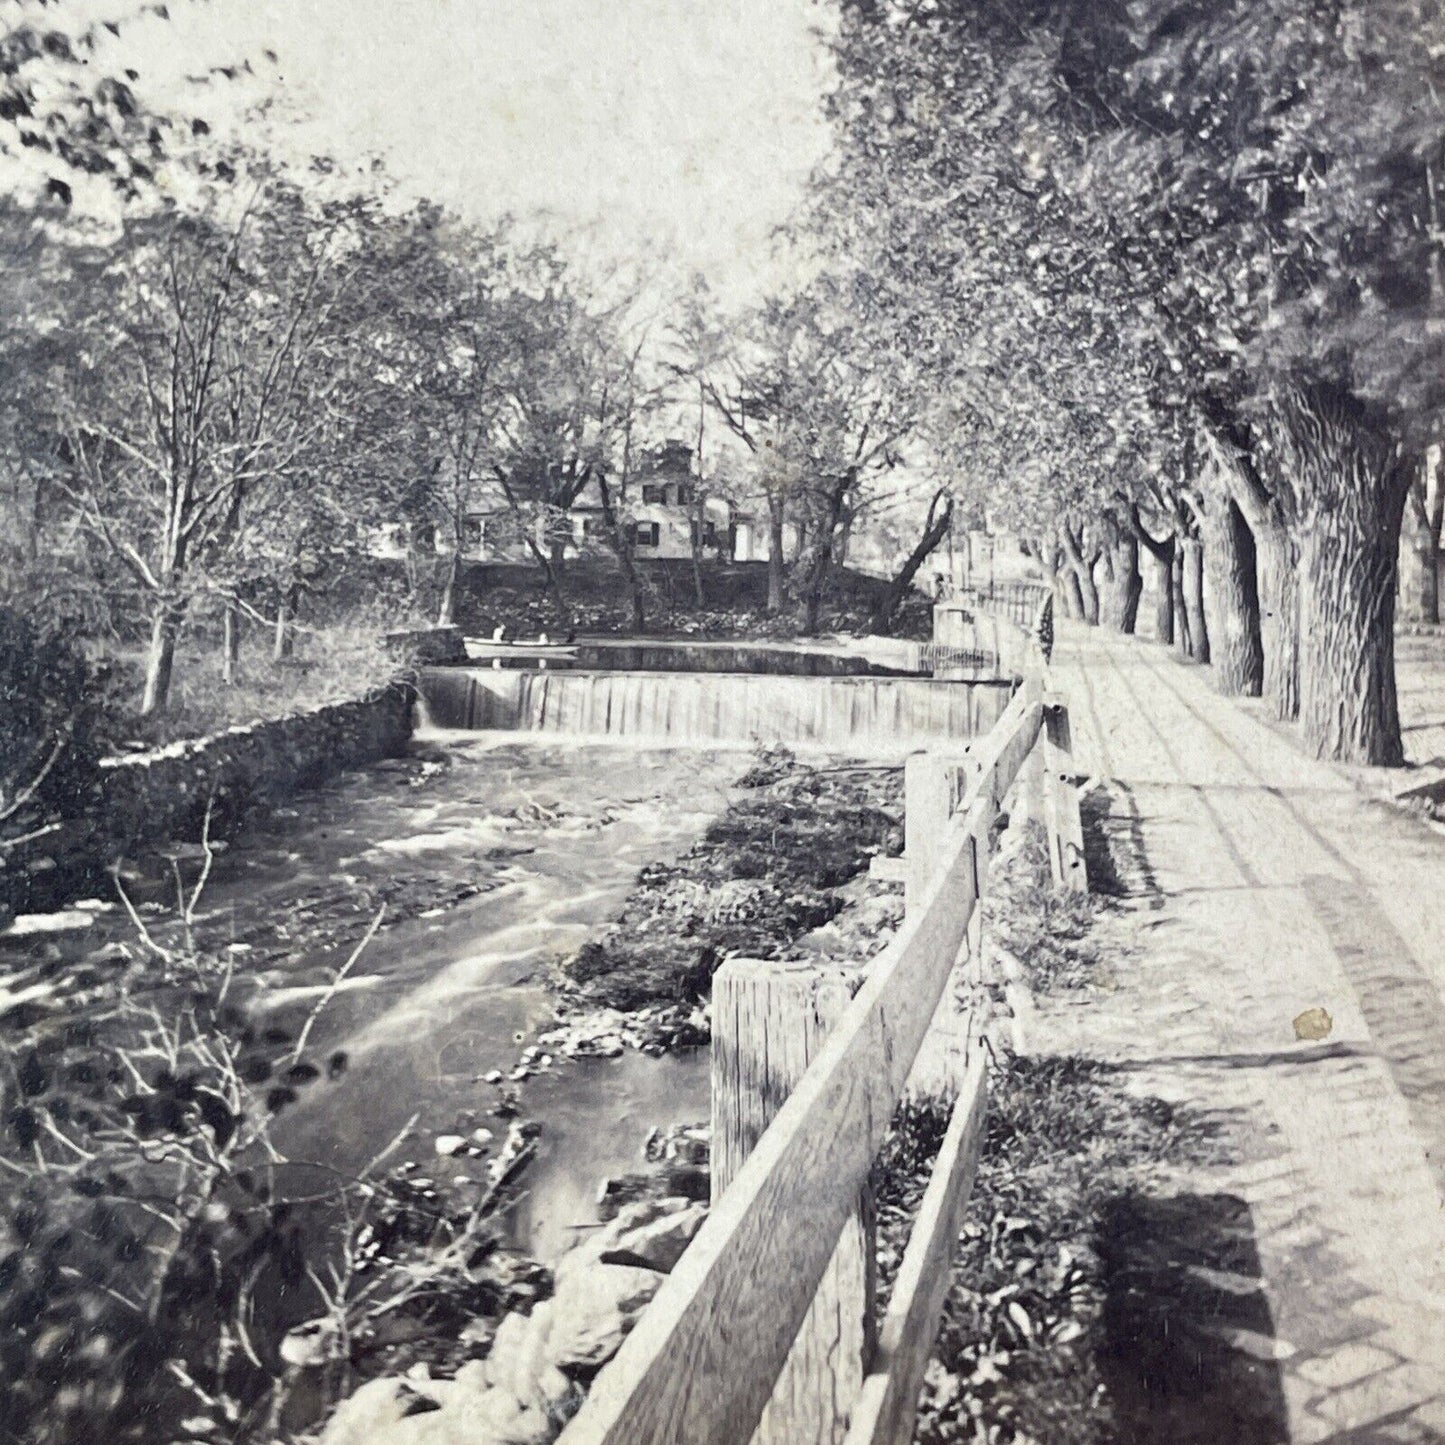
(48,748)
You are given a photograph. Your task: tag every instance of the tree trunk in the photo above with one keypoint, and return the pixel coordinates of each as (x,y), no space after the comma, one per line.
(1279,623)
(1049,558)
(1276,554)
(230,643)
(1082,589)
(1192,577)
(620,530)
(776,561)
(1073,592)
(1128,584)
(1176,600)
(897,589)
(281,645)
(699,521)
(1089,590)
(1161,557)
(1232,600)
(161,657)
(813,601)
(1351,483)
(1424,503)
(447,608)
(824,545)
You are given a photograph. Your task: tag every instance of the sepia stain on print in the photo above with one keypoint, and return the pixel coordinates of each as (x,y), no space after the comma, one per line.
(1313,1025)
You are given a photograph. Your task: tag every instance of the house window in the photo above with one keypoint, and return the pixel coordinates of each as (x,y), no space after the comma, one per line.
(684,496)
(709,534)
(654,493)
(646,534)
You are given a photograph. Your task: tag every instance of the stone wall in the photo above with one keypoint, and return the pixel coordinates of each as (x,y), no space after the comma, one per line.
(159,795)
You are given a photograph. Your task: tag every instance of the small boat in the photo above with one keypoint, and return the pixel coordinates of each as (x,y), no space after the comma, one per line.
(485,648)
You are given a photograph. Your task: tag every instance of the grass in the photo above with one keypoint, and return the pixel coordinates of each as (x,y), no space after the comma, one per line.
(1018,1357)
(330,663)
(1029,1349)
(1048,932)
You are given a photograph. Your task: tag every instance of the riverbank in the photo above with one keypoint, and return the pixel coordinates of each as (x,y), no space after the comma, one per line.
(595,600)
(197,793)
(767,872)
(482,864)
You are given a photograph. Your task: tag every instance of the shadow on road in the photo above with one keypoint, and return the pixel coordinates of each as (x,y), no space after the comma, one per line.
(1188,1334)
(1114,851)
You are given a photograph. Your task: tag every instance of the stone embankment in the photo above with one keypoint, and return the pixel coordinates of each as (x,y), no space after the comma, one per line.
(165,793)
(147,799)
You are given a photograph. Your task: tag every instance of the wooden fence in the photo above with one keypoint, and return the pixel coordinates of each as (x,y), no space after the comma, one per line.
(1018,601)
(1012,623)
(764,1331)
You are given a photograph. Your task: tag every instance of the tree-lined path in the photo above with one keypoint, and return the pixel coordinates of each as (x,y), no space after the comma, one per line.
(1305,1278)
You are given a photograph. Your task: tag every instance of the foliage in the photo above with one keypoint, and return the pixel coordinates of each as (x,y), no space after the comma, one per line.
(1018,1357)
(822,399)
(1045,930)
(1121,230)
(154,1247)
(48,750)
(67,109)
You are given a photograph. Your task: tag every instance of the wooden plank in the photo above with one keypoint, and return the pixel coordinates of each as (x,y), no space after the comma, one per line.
(1061,800)
(700,1365)
(770,1019)
(927,803)
(884,1411)
(1072,864)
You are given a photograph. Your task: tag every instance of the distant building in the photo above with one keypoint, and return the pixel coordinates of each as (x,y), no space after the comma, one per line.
(752,537)
(663,505)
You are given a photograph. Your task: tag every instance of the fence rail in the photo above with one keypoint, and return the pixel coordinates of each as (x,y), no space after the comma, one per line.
(703,1363)
(1019,601)
(1013,622)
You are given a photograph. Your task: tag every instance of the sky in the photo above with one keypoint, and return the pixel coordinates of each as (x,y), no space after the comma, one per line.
(679,127)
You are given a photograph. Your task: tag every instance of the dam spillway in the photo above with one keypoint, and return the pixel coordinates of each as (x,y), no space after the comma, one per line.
(831,713)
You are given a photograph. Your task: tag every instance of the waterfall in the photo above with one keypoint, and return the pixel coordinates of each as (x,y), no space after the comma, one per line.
(742,709)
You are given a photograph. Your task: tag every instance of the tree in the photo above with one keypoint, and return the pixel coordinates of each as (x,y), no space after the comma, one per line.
(936,527)
(944,205)
(446,314)
(823,405)
(1425,540)
(1255,184)
(204,387)
(1275,166)
(552,425)
(70,119)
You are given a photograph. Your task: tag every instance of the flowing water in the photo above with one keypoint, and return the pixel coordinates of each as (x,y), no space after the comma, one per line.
(854,714)
(494,859)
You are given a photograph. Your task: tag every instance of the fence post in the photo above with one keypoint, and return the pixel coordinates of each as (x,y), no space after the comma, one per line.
(769,1020)
(1061,800)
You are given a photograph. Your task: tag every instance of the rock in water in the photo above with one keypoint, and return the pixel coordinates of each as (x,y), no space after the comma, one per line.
(593,1311)
(375,1412)
(658,1244)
